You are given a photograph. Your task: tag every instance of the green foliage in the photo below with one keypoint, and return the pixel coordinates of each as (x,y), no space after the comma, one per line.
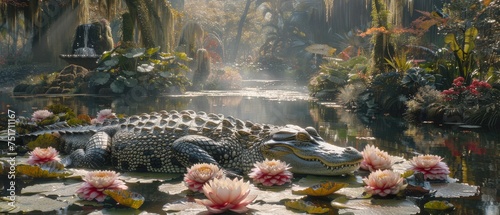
(416,78)
(125,68)
(334,75)
(426,105)
(388,92)
(464,52)
(399,62)
(44,141)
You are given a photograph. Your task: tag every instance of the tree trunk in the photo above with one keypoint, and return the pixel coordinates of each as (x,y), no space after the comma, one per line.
(143,20)
(240,31)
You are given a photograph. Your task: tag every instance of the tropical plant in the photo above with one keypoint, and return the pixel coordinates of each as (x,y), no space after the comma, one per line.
(426,105)
(399,62)
(128,68)
(464,53)
(415,78)
(334,75)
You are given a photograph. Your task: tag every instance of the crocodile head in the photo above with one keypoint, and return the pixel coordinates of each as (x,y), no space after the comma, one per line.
(308,153)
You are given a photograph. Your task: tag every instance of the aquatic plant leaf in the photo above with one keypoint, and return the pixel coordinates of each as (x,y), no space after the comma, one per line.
(111,62)
(340,202)
(151,51)
(118,86)
(133,53)
(131,82)
(322,189)
(34,203)
(438,205)
(182,56)
(184,207)
(454,190)
(129,72)
(306,206)
(100,78)
(379,206)
(37,172)
(126,197)
(407,174)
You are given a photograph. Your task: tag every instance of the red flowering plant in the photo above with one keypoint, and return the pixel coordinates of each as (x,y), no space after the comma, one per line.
(459,93)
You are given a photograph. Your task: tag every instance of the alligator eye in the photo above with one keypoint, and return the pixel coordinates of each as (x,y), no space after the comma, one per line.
(313,133)
(303,137)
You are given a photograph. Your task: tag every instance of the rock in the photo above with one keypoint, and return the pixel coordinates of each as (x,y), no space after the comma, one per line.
(21,88)
(99,37)
(69,79)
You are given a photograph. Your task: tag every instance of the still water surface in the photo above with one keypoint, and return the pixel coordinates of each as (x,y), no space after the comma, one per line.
(472,155)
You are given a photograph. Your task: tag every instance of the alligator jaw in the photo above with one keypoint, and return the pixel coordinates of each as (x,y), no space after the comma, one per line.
(317,159)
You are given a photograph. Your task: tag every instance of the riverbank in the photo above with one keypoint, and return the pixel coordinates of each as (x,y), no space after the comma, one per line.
(11,75)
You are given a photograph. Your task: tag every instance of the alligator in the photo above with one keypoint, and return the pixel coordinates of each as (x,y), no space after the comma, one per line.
(171,141)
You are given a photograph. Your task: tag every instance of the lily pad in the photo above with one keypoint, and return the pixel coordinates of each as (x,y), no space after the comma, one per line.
(43,187)
(38,172)
(25,204)
(173,188)
(438,205)
(126,197)
(306,207)
(323,189)
(454,190)
(380,207)
(184,207)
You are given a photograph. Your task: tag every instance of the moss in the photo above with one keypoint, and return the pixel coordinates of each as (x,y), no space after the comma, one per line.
(44,141)
(64,112)
(49,121)
(80,120)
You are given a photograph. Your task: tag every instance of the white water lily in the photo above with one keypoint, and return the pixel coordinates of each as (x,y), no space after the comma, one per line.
(271,172)
(431,166)
(383,183)
(198,174)
(98,181)
(375,159)
(226,194)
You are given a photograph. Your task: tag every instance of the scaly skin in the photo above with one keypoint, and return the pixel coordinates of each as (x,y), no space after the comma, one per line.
(171,141)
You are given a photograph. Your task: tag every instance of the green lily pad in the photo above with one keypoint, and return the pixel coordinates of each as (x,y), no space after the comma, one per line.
(438,205)
(35,203)
(379,206)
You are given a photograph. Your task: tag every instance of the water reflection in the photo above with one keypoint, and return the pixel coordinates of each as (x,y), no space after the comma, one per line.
(472,155)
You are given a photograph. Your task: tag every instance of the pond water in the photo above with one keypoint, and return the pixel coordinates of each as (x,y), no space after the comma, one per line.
(472,155)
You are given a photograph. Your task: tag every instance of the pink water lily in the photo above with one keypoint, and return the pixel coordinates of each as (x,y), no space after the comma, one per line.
(43,155)
(375,159)
(198,174)
(431,166)
(98,181)
(103,115)
(383,183)
(226,194)
(40,115)
(271,172)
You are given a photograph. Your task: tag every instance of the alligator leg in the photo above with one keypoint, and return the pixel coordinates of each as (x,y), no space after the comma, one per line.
(193,149)
(95,154)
